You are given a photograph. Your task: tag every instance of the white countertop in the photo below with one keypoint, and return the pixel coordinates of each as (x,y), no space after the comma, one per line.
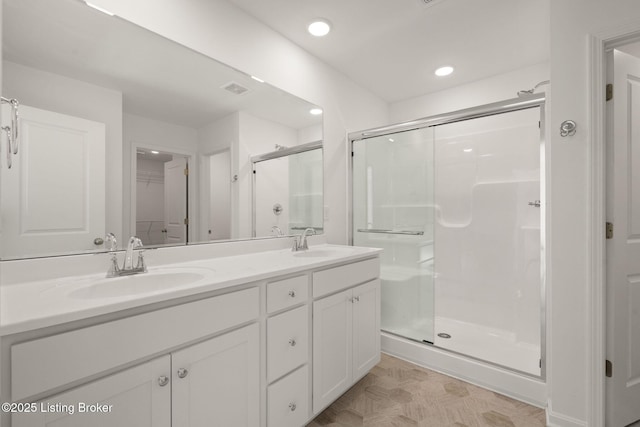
(37,304)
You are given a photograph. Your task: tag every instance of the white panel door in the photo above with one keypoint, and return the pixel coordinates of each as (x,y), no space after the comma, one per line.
(217,382)
(175,200)
(136,397)
(623,251)
(53,197)
(332,347)
(366,327)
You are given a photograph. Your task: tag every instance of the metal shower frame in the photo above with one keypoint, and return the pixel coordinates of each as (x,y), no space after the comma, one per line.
(515,104)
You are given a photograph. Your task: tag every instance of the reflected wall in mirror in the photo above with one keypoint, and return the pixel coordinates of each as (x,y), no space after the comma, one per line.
(94,91)
(287,191)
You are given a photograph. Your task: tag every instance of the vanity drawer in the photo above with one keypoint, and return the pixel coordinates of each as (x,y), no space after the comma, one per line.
(332,280)
(47,363)
(287,342)
(287,293)
(288,400)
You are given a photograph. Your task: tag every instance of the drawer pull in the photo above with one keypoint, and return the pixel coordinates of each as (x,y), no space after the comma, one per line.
(292,406)
(182,373)
(292,293)
(163,380)
(292,342)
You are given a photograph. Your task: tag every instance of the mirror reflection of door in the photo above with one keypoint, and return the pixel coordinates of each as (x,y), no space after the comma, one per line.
(53,197)
(219,196)
(161,197)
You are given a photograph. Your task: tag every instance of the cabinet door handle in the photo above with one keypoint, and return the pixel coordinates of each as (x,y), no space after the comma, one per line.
(292,342)
(292,293)
(355,300)
(182,372)
(292,406)
(163,380)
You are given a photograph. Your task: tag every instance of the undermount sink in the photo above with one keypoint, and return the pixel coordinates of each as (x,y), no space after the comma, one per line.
(153,281)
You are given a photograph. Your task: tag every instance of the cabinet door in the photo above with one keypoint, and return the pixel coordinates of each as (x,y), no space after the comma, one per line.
(130,398)
(366,328)
(331,348)
(217,382)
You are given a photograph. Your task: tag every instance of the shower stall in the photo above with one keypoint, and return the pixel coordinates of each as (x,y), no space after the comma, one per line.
(457,203)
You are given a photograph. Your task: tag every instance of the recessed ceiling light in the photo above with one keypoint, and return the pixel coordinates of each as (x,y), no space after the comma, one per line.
(316,111)
(257,79)
(319,27)
(155,152)
(444,71)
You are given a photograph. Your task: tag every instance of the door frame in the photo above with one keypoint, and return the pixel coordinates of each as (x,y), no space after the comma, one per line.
(205,187)
(192,180)
(599,43)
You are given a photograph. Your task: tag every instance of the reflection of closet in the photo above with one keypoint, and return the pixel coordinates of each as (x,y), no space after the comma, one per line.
(150,201)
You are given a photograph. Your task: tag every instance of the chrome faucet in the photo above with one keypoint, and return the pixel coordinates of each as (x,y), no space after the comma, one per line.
(300,241)
(127,266)
(110,242)
(276,231)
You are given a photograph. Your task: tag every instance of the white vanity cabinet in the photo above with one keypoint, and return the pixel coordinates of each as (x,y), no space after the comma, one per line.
(217,382)
(270,352)
(139,396)
(288,352)
(216,378)
(346,328)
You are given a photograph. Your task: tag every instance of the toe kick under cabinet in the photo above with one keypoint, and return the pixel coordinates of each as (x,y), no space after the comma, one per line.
(272,353)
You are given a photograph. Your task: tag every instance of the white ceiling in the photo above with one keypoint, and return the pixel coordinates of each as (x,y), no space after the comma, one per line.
(392,47)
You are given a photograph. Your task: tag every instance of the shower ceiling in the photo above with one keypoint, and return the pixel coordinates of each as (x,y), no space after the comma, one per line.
(392,47)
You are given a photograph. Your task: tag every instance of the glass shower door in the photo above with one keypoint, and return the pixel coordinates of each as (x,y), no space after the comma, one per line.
(488,233)
(393,209)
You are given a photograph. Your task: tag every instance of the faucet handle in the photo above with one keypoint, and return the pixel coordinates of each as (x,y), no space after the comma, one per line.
(110,242)
(141,264)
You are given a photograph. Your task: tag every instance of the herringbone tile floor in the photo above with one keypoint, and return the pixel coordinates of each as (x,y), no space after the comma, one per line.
(398,393)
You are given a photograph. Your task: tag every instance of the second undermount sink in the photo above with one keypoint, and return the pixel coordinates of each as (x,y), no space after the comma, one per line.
(155,280)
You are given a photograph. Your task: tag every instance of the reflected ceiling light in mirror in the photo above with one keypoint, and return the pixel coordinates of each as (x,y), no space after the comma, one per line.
(444,71)
(98,8)
(316,111)
(155,152)
(319,27)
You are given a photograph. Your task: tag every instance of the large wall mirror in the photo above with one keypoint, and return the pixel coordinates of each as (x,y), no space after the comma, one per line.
(123,131)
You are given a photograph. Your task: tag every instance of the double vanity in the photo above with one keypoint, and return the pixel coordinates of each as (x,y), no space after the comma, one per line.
(266,338)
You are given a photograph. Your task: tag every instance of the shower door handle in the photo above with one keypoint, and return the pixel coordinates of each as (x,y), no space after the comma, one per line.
(535,203)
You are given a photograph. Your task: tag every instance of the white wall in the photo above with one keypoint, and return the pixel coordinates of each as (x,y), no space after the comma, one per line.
(569,330)
(493,89)
(222,31)
(48,91)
